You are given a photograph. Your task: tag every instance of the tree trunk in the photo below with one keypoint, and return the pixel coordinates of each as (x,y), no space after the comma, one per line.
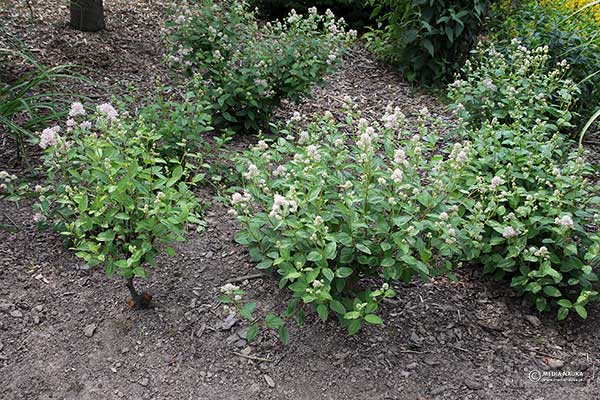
(87,15)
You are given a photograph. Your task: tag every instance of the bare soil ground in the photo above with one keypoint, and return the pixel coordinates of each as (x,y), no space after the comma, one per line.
(66,332)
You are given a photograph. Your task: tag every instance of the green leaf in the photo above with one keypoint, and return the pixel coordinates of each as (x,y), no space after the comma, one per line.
(322,311)
(388,262)
(175,176)
(170,251)
(247,310)
(552,291)
(352,315)
(252,332)
(373,319)
(343,272)
(330,250)
(314,256)
(328,274)
(562,313)
(106,236)
(354,326)
(338,307)
(363,248)
(283,334)
(581,311)
(273,321)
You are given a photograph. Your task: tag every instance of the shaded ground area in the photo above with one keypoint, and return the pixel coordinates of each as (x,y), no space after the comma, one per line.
(66,333)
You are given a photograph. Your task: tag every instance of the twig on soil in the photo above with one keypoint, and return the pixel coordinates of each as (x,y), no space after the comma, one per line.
(11,220)
(246,277)
(414,351)
(251,357)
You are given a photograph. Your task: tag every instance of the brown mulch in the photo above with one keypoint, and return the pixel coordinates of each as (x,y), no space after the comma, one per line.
(66,332)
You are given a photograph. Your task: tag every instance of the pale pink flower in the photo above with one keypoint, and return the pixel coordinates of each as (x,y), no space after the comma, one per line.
(497,181)
(85,125)
(108,111)
(509,232)
(76,109)
(49,137)
(565,221)
(397,175)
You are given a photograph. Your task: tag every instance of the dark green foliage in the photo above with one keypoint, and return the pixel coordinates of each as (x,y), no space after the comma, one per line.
(427,39)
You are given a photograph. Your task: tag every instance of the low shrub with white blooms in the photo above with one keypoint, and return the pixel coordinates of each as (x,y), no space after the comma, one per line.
(249,68)
(523,195)
(326,210)
(114,198)
(517,85)
(531,211)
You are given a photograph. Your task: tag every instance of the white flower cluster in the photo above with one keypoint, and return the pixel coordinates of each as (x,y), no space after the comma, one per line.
(565,221)
(280,205)
(228,288)
(393,118)
(509,232)
(49,137)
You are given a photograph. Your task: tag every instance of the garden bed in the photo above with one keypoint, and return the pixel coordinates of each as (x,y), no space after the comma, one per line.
(64,333)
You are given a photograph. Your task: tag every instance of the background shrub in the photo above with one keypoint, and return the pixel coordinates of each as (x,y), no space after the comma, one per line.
(575,39)
(520,87)
(249,69)
(427,39)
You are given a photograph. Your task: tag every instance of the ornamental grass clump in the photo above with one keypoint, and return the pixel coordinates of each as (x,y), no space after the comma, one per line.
(248,68)
(111,195)
(340,210)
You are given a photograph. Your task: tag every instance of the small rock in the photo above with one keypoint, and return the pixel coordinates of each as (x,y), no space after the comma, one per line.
(6,307)
(254,388)
(229,322)
(553,363)
(473,384)
(113,369)
(439,390)
(269,380)
(246,351)
(144,382)
(412,365)
(89,330)
(405,374)
(16,314)
(533,320)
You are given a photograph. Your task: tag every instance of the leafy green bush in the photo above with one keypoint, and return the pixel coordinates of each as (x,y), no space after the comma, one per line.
(427,39)
(519,86)
(528,206)
(111,194)
(575,39)
(179,119)
(381,213)
(248,69)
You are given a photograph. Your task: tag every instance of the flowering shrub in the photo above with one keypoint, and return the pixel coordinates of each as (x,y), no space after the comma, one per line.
(529,215)
(528,204)
(515,86)
(112,195)
(574,39)
(331,234)
(248,69)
